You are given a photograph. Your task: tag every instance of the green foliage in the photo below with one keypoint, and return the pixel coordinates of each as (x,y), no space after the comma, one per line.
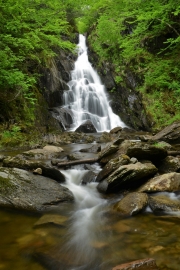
(30,30)
(12,136)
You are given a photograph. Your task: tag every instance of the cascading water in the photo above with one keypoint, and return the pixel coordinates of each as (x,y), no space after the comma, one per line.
(86,97)
(84,235)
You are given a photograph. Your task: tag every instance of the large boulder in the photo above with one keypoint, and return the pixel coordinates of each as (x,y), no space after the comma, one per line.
(47,152)
(127,177)
(165,182)
(23,190)
(131,204)
(169,164)
(88,177)
(86,127)
(169,134)
(163,204)
(25,164)
(140,150)
(111,166)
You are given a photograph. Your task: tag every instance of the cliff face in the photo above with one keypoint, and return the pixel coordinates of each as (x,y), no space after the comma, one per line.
(52,82)
(125,100)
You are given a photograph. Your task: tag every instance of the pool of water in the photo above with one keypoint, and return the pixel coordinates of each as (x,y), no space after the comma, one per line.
(118,240)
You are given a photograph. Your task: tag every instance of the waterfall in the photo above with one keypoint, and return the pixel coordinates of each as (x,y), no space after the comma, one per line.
(86,97)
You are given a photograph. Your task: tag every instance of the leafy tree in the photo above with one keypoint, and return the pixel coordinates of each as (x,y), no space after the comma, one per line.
(30,30)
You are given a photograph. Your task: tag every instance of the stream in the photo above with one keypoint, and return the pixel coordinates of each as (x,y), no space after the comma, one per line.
(91,236)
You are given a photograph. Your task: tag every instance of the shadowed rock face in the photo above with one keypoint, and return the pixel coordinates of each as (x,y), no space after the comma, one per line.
(127,176)
(86,127)
(22,190)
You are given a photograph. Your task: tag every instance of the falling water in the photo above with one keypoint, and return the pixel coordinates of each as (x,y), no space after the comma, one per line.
(86,97)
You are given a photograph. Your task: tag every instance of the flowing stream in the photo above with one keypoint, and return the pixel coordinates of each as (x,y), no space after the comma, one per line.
(91,236)
(86,97)
(83,234)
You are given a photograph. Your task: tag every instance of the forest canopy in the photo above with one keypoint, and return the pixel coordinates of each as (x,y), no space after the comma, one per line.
(139,35)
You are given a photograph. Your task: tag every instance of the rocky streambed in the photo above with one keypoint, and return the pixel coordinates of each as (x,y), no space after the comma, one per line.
(134,176)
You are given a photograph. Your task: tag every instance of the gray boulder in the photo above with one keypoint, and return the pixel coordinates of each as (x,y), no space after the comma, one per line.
(132,204)
(23,190)
(127,177)
(165,182)
(88,177)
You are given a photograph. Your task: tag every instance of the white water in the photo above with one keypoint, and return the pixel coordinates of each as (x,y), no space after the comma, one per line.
(87,221)
(86,97)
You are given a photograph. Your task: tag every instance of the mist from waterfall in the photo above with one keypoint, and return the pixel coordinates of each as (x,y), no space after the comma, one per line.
(86,97)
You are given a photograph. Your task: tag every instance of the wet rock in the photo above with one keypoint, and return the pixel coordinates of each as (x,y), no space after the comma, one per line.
(108,151)
(49,151)
(104,138)
(63,115)
(37,171)
(144,264)
(88,177)
(127,177)
(124,146)
(169,134)
(141,151)
(86,127)
(51,219)
(162,203)
(131,204)
(116,130)
(23,190)
(111,166)
(145,138)
(21,163)
(165,182)
(169,164)
(55,161)
(133,160)
(93,149)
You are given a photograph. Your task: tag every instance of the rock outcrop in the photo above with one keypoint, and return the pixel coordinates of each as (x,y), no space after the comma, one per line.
(22,190)
(166,182)
(127,177)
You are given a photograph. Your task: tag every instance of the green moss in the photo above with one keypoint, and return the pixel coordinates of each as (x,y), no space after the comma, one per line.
(6,186)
